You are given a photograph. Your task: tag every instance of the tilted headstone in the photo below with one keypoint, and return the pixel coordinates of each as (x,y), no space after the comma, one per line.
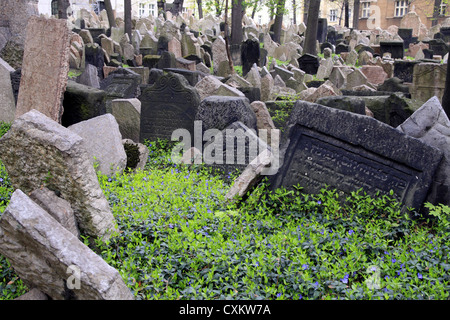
(128,115)
(44,75)
(37,150)
(103,142)
(170,104)
(7,101)
(308,63)
(250,54)
(431,125)
(347,151)
(47,256)
(81,103)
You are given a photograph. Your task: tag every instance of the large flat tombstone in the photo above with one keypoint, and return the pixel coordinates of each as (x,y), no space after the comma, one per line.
(7,101)
(348,151)
(394,47)
(170,104)
(45,67)
(39,151)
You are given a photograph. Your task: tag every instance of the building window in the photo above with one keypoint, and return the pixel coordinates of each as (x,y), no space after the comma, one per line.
(151,9)
(443,9)
(142,10)
(401,8)
(333,15)
(365,13)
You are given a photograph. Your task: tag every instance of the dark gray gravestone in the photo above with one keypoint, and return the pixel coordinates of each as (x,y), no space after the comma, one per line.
(120,84)
(308,63)
(404,70)
(331,35)
(15,82)
(446,33)
(326,45)
(395,47)
(439,47)
(236,146)
(94,55)
(82,103)
(352,104)
(218,112)
(347,151)
(322,26)
(250,54)
(341,47)
(191,76)
(406,35)
(170,104)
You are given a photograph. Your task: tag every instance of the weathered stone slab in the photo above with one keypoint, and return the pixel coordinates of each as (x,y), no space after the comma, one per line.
(7,101)
(103,142)
(218,112)
(348,151)
(57,207)
(44,75)
(170,104)
(137,154)
(38,151)
(47,256)
(428,81)
(128,115)
(431,125)
(120,84)
(81,103)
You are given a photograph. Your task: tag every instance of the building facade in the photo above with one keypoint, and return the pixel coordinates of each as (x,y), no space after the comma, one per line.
(385,13)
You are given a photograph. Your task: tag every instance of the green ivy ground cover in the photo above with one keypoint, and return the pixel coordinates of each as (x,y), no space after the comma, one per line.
(179,240)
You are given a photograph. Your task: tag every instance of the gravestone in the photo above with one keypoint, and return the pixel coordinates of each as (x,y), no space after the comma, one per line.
(103,142)
(7,101)
(428,81)
(120,84)
(45,254)
(37,150)
(169,104)
(322,30)
(404,70)
(348,151)
(342,47)
(431,125)
(406,34)
(44,76)
(94,55)
(81,103)
(128,115)
(232,149)
(347,103)
(250,54)
(439,47)
(308,63)
(394,47)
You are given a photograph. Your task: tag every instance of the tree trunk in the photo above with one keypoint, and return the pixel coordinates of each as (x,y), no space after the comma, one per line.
(278,21)
(311,28)
(200,9)
(237,12)
(355,14)
(346,18)
(294,14)
(110,13)
(446,96)
(227,46)
(436,11)
(255,6)
(127,16)
(305,11)
(63,5)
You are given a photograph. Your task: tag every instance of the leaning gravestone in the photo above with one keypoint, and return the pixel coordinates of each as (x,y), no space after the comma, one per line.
(431,125)
(7,102)
(347,151)
(39,151)
(103,142)
(44,75)
(47,256)
(170,104)
(308,63)
(128,115)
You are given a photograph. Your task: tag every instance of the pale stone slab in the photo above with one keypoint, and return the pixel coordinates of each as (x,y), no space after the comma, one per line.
(45,67)
(7,101)
(39,151)
(47,256)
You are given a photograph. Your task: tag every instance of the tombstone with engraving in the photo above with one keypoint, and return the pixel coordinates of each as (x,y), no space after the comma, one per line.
(406,34)
(169,104)
(404,70)
(394,47)
(322,27)
(341,47)
(347,152)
